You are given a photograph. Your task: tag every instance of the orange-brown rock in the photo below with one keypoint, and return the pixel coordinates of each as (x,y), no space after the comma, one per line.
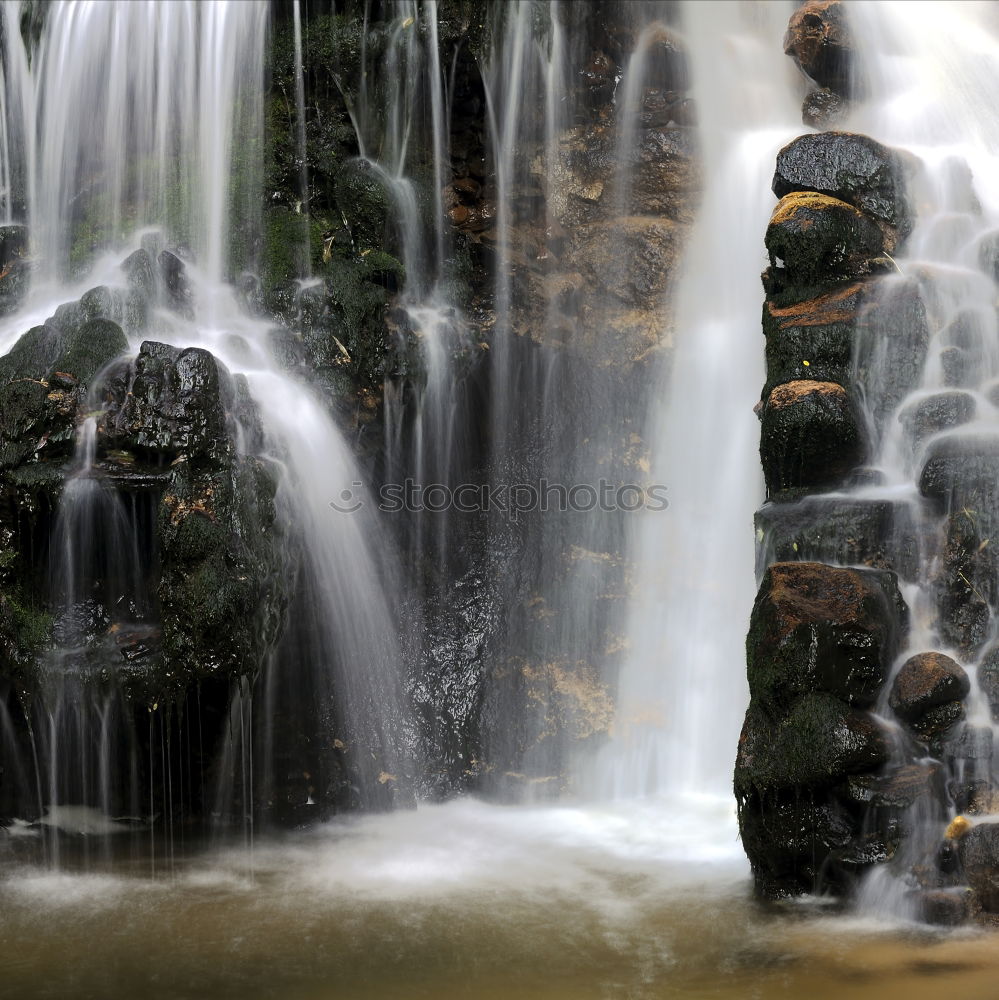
(818,39)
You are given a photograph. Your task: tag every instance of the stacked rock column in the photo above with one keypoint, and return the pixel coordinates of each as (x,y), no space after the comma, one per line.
(825,788)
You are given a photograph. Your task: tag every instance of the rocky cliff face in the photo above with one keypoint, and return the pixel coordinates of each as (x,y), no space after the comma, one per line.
(199,588)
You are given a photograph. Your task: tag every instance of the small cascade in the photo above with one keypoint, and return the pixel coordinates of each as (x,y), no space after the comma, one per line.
(938,436)
(84,743)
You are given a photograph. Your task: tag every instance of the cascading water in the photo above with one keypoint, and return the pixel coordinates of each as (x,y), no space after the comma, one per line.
(161,125)
(574,648)
(921,68)
(682,690)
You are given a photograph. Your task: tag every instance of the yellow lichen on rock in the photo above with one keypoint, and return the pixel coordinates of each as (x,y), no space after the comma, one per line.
(957,828)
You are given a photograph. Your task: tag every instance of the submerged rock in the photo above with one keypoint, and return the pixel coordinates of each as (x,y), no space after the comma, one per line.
(811,436)
(853,168)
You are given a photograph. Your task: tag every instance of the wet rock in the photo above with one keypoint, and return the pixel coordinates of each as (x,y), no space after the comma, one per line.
(14,271)
(936,725)
(363,197)
(976,797)
(979,852)
(852,168)
(824,109)
(810,437)
(816,241)
(789,838)
(939,412)
(99,342)
(177,286)
(172,402)
(898,790)
(42,381)
(959,368)
(925,681)
(140,274)
(813,339)
(962,470)
(818,39)
(882,534)
(945,907)
(665,181)
(817,628)
(790,822)
(966,583)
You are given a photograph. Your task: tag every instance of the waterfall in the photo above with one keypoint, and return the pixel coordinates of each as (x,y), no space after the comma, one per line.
(150,136)
(682,690)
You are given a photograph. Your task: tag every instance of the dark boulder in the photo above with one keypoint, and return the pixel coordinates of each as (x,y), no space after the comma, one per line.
(43,379)
(817,628)
(816,241)
(853,168)
(812,339)
(810,438)
(171,402)
(966,582)
(818,39)
(140,274)
(979,852)
(962,470)
(818,743)
(925,681)
(798,835)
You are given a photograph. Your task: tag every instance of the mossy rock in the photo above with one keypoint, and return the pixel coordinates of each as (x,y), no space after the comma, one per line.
(815,240)
(363,196)
(818,743)
(853,168)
